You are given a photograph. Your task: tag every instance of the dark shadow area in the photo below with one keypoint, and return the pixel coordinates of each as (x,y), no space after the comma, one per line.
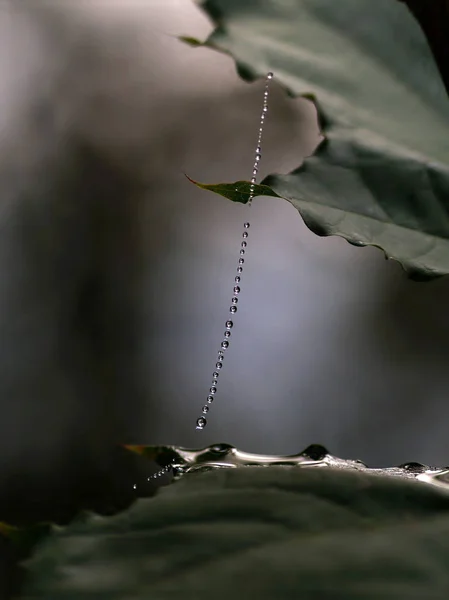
(433,18)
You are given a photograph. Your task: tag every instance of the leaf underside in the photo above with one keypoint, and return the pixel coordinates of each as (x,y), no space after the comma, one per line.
(271,533)
(381,177)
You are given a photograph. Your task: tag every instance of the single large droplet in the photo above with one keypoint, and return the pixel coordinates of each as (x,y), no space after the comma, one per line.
(201,423)
(315,452)
(234,300)
(413,467)
(233,309)
(225,344)
(239,269)
(227,334)
(242,252)
(205,409)
(229,324)
(210,399)
(246,225)
(236,290)
(215,374)
(213,390)
(218,365)
(243,244)
(241,261)
(245,234)
(270,75)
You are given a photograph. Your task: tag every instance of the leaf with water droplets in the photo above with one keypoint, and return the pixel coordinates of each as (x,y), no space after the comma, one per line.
(277,533)
(237,192)
(381,178)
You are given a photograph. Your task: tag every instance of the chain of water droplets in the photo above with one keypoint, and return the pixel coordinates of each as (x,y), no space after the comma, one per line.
(201,422)
(164,471)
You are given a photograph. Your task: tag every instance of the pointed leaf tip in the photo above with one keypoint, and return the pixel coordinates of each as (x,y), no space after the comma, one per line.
(191,41)
(151,452)
(8,531)
(240,191)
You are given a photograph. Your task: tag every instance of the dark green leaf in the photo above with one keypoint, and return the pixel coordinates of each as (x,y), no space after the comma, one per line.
(382,176)
(237,192)
(270,533)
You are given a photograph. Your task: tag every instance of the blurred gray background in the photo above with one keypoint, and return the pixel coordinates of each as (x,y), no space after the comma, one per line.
(116,273)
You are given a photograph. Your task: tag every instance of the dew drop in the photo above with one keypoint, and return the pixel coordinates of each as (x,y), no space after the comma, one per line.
(253,180)
(229,324)
(233,309)
(234,300)
(258,150)
(243,244)
(241,261)
(215,374)
(210,399)
(237,279)
(258,156)
(201,423)
(225,344)
(246,225)
(221,353)
(254,173)
(218,366)
(270,75)
(265,109)
(135,486)
(227,334)
(239,269)
(205,409)
(236,290)
(242,252)
(245,234)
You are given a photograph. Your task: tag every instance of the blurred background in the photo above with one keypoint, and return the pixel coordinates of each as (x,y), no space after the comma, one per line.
(116,273)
